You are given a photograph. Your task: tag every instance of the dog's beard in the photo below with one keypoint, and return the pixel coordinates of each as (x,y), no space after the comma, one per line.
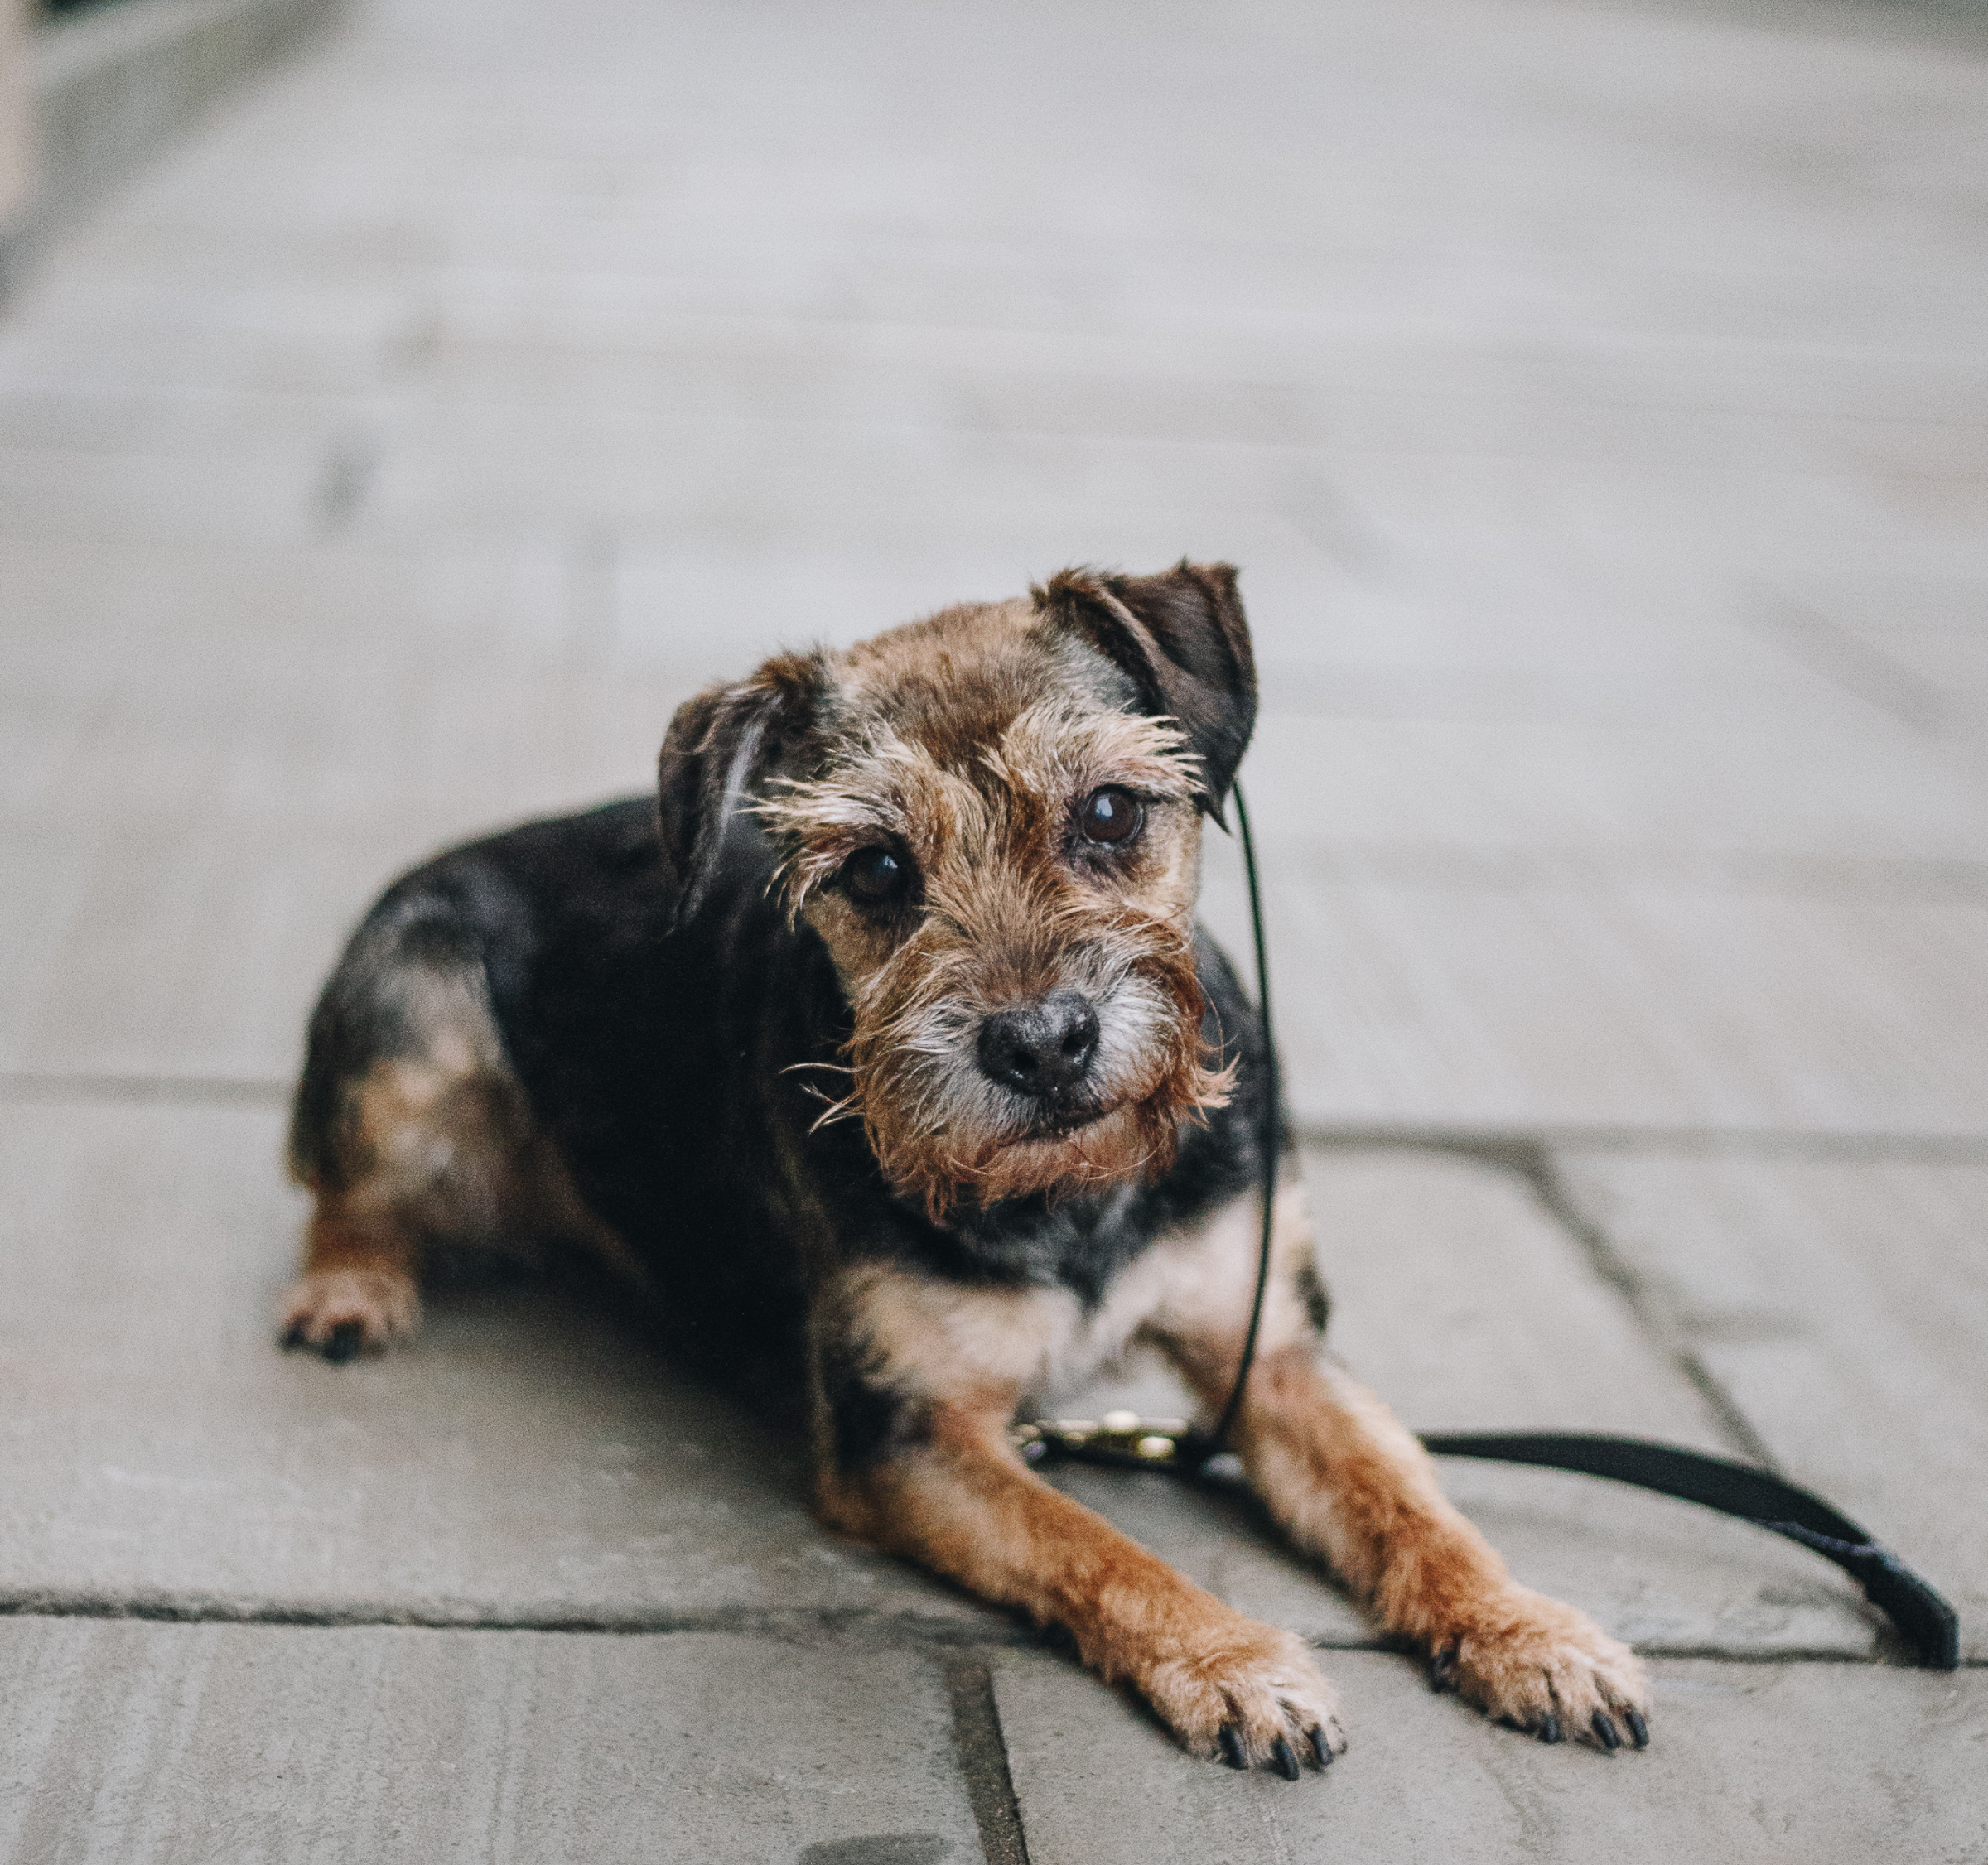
(942,1131)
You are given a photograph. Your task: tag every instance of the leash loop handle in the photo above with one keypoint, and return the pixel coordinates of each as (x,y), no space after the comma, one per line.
(1912,1604)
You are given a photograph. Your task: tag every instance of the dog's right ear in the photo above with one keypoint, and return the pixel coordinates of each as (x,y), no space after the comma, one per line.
(718,745)
(1181,637)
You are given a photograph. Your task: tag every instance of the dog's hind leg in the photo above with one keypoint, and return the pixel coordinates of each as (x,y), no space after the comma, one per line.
(409,1128)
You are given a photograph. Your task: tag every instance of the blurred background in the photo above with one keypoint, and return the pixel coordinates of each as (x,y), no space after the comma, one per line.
(405,404)
(1591,394)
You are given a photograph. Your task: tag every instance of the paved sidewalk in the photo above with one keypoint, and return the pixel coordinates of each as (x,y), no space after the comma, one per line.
(1595,394)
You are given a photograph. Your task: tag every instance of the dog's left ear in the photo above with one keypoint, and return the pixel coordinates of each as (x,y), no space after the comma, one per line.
(717,745)
(1181,637)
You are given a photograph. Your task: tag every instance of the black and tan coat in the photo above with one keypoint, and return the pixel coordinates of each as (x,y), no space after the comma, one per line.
(882,1052)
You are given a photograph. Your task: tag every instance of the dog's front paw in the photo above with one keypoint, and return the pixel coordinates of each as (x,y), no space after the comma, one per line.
(345,1313)
(1530,1661)
(1249,1693)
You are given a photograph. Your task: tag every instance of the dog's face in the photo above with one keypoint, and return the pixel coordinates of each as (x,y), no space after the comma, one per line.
(992,819)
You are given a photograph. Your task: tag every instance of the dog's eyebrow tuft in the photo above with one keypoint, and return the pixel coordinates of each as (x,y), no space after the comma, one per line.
(880,787)
(1056,748)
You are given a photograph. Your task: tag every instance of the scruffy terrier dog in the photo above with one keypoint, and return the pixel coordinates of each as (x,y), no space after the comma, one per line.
(887,1051)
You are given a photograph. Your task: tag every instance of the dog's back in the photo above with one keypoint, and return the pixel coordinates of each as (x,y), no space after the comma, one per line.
(521,1050)
(525,1047)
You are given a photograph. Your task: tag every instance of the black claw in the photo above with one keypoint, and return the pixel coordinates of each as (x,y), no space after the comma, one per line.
(1231,1746)
(1321,1749)
(1605,1733)
(292,1335)
(1639,1730)
(1284,1759)
(1549,1730)
(1442,1669)
(344,1342)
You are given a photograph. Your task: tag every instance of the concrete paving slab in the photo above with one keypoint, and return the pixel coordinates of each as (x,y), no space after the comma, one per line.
(1467,1307)
(381,465)
(841,583)
(1843,1306)
(190,852)
(266,492)
(1591,999)
(234,737)
(530,1461)
(1674,780)
(191,951)
(125,1741)
(1830,1763)
(437,600)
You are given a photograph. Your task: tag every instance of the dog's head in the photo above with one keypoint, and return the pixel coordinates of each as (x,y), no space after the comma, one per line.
(992,819)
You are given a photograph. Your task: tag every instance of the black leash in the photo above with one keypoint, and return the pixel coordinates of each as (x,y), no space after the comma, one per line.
(1269,1133)
(1928,1623)
(1126,1441)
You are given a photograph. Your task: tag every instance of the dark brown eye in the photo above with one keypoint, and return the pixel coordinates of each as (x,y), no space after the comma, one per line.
(1110,816)
(875,876)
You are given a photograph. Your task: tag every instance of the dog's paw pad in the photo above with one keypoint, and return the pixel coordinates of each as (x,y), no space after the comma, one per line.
(1538,1665)
(342,1313)
(1253,1699)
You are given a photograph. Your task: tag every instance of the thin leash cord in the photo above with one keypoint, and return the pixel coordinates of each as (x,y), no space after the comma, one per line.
(1270,1132)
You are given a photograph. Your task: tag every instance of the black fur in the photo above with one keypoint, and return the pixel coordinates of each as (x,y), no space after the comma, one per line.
(1317,1304)
(658,1051)
(867,1421)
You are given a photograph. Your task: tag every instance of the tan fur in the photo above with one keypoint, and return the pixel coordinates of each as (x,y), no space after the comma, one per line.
(930,1338)
(1351,1487)
(1349,1484)
(963,1504)
(439,1147)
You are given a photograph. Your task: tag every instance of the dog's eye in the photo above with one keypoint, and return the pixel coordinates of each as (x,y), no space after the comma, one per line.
(1111,815)
(875,875)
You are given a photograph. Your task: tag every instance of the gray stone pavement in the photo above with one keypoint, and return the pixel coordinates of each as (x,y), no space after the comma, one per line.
(1595,396)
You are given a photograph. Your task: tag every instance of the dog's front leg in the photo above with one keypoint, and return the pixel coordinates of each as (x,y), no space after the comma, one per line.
(1350,1485)
(958,1500)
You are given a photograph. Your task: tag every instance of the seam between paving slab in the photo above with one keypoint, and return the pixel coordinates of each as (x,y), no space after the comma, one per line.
(1513,1147)
(980,1746)
(943,1639)
(853,1627)
(28,1085)
(1653,1312)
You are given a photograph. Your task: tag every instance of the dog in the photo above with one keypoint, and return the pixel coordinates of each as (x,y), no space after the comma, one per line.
(881,1048)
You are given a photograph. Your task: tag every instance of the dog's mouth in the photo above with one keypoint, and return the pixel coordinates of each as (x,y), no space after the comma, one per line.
(1059,1122)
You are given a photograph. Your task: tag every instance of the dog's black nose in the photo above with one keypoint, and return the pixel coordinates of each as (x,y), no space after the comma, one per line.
(1041,1049)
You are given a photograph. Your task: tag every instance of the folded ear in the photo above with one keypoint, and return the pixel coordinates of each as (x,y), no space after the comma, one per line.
(1181,638)
(717,745)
